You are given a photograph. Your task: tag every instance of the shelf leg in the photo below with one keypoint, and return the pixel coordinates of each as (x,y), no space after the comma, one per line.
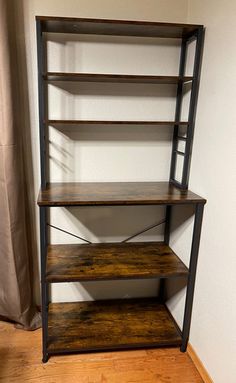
(44,284)
(192,275)
(45,358)
(162,287)
(167,224)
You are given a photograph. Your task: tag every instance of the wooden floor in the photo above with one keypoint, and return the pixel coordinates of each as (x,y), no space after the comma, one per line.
(20,361)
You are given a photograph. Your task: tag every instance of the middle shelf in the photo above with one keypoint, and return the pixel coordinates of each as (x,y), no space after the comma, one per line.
(115,194)
(106,261)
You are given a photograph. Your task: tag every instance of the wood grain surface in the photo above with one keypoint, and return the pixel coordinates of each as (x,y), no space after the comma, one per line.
(115,193)
(199,365)
(116,27)
(20,355)
(110,324)
(67,263)
(117,78)
(114,122)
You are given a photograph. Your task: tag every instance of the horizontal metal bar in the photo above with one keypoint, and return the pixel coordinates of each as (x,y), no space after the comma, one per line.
(117,347)
(184,123)
(192,38)
(182,138)
(143,231)
(179,152)
(67,232)
(128,278)
(174,321)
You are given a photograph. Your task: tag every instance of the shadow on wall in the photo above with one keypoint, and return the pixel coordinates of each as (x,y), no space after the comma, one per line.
(74,148)
(108,132)
(122,222)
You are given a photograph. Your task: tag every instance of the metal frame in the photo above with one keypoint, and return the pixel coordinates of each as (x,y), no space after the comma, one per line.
(199,208)
(44,212)
(44,284)
(42,104)
(199,37)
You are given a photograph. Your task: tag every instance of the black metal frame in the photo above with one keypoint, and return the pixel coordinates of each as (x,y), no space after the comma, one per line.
(199,37)
(198,215)
(44,283)
(42,103)
(42,100)
(199,208)
(43,210)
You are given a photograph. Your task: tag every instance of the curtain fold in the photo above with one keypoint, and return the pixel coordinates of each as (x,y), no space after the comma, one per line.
(16,297)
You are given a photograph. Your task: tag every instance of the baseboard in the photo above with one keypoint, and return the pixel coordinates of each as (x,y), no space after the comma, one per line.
(198,364)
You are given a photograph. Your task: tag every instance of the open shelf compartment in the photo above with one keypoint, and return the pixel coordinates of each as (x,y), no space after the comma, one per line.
(109,261)
(110,325)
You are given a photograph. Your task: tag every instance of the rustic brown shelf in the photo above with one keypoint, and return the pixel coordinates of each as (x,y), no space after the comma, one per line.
(110,324)
(133,323)
(116,27)
(68,263)
(115,193)
(119,78)
(114,122)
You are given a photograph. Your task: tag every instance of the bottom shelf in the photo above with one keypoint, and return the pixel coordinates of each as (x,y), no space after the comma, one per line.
(110,325)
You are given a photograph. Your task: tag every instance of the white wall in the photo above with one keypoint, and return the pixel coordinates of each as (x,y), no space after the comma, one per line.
(213,174)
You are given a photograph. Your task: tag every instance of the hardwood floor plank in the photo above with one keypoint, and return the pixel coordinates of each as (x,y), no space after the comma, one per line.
(20,356)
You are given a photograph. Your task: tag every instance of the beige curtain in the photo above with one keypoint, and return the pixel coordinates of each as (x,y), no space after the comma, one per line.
(16,297)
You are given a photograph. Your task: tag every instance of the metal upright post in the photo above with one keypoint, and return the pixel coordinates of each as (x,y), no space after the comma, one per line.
(44,284)
(41,102)
(167,224)
(193,106)
(192,274)
(43,210)
(162,287)
(179,98)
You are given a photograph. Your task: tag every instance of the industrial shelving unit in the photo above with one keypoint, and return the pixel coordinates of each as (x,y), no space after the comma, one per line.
(127,323)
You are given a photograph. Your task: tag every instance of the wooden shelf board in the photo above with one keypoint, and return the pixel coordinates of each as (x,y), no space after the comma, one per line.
(115,193)
(110,324)
(116,27)
(114,122)
(104,261)
(119,78)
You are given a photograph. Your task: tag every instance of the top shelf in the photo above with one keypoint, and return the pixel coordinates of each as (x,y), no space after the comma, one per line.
(116,27)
